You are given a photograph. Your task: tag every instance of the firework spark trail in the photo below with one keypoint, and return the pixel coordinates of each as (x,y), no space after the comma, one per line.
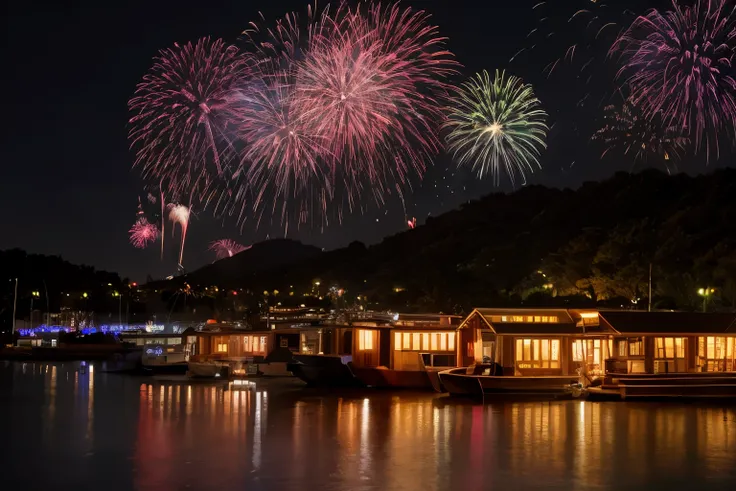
(142,233)
(226,248)
(678,65)
(497,122)
(180,214)
(627,129)
(181,121)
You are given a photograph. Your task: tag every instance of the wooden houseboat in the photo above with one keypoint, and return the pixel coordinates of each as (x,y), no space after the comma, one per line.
(217,347)
(614,353)
(526,351)
(669,355)
(406,352)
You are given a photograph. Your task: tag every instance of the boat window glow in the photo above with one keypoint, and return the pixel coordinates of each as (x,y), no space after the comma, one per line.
(365,339)
(537,353)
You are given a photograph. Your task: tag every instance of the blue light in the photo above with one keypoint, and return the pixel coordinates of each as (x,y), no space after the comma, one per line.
(105,328)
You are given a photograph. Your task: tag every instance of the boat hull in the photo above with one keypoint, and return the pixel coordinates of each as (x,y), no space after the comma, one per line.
(682,386)
(458,383)
(323,371)
(395,379)
(205,370)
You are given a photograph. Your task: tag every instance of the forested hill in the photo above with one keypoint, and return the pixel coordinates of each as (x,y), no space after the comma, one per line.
(537,246)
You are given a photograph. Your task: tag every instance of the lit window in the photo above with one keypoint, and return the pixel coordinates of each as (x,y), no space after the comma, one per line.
(538,353)
(518,318)
(406,343)
(435,342)
(443,342)
(425,341)
(222,348)
(416,340)
(504,318)
(365,339)
(545,318)
(530,318)
(537,318)
(397,341)
(555,350)
(451,341)
(635,347)
(246,343)
(622,348)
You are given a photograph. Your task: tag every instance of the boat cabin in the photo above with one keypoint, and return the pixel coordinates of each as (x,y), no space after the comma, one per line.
(534,342)
(232,345)
(406,342)
(670,342)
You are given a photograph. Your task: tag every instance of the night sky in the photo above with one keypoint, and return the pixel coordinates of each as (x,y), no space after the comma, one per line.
(70,68)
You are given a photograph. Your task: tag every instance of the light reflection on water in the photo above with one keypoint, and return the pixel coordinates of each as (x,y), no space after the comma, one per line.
(91,430)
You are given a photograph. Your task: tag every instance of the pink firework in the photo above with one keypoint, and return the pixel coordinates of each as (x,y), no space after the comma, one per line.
(373,85)
(182,122)
(412,223)
(338,105)
(226,248)
(143,233)
(283,162)
(180,214)
(678,64)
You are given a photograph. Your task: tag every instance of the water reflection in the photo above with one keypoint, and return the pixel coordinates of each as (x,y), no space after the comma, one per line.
(99,430)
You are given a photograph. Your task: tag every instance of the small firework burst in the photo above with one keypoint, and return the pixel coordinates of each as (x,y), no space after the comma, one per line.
(226,248)
(626,128)
(143,233)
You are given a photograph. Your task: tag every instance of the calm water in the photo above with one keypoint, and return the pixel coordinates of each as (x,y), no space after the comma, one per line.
(65,429)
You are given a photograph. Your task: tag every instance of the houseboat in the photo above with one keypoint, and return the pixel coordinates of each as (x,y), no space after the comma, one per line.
(406,351)
(321,354)
(669,355)
(624,354)
(218,347)
(532,352)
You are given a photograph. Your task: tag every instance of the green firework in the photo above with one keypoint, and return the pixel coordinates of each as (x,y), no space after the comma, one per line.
(497,125)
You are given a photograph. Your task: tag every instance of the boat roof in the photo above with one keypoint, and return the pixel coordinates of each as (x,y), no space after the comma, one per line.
(640,322)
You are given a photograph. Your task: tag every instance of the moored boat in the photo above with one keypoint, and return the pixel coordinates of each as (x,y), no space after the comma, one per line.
(207,369)
(324,370)
(458,382)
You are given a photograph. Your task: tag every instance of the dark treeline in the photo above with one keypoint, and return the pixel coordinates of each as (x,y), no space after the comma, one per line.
(537,246)
(52,283)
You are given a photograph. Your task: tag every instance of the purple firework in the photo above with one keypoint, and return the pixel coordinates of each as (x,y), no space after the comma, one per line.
(678,66)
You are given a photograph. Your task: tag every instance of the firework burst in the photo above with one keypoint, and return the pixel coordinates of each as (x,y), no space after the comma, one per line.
(497,123)
(338,105)
(373,86)
(143,233)
(181,124)
(625,128)
(226,248)
(678,64)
